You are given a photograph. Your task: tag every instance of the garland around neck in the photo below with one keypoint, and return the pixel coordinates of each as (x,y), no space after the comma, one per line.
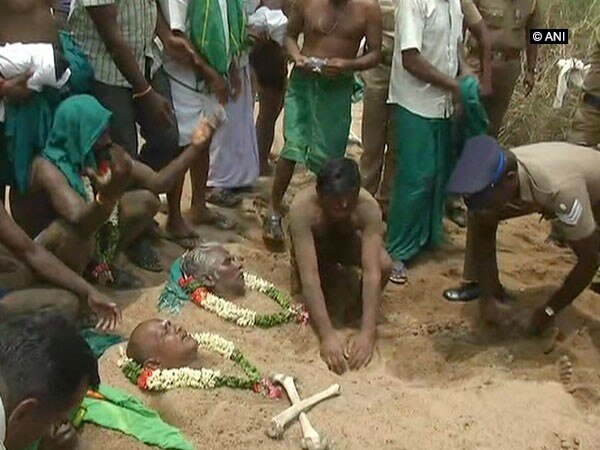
(167,379)
(245,317)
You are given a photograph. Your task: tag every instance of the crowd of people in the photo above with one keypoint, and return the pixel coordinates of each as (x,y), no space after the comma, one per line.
(105,105)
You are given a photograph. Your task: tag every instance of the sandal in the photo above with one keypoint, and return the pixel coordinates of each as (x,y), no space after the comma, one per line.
(224,198)
(399,273)
(273,229)
(144,256)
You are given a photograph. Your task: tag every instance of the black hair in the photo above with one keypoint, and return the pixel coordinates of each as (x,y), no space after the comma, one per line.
(338,177)
(511,162)
(44,356)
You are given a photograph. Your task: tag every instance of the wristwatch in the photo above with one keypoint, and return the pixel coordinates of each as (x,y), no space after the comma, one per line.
(549,311)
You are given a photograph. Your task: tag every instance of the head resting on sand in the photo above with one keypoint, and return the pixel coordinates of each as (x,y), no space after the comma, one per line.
(217,269)
(157,343)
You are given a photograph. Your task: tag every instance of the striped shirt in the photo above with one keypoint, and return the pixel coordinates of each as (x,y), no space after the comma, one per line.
(137,19)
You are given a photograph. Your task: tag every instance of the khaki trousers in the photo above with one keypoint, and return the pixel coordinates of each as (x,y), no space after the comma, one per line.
(586,125)
(377,161)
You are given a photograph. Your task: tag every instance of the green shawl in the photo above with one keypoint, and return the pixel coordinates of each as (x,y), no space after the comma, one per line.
(78,123)
(173,296)
(208,34)
(474,120)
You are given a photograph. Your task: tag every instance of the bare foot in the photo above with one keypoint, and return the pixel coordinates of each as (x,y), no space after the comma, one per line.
(207,124)
(565,373)
(494,312)
(204,216)
(179,228)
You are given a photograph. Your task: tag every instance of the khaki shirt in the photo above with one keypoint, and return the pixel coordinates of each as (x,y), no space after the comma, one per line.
(388,23)
(592,80)
(562,181)
(507,21)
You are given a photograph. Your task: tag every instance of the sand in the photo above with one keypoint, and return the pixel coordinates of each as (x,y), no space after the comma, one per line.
(438,379)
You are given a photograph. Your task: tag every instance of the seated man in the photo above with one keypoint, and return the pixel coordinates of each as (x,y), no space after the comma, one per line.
(44,377)
(558,180)
(157,343)
(78,143)
(338,223)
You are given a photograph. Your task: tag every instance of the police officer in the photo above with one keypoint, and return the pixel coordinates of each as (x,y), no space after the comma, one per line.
(586,123)
(558,180)
(508,22)
(377,160)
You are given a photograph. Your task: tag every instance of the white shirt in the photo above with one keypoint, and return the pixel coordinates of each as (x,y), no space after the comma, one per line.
(2,425)
(434,28)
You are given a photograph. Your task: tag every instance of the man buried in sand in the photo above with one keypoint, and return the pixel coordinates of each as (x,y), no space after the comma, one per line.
(331,224)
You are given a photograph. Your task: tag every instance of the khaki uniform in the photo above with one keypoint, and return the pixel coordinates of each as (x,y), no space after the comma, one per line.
(586,123)
(560,181)
(377,128)
(507,21)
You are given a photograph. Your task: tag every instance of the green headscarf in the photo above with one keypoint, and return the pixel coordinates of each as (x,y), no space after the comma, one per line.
(78,123)
(208,34)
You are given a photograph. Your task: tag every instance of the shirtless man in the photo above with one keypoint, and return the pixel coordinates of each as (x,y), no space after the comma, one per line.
(318,99)
(27,21)
(56,193)
(336,223)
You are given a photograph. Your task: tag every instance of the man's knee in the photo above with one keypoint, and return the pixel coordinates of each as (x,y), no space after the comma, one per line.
(34,300)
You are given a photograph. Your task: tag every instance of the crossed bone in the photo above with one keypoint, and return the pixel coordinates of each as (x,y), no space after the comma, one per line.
(311,439)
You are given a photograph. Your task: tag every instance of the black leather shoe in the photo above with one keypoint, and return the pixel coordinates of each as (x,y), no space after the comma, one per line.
(467,292)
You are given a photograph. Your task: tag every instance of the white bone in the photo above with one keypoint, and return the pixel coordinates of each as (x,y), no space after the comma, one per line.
(311,440)
(279,422)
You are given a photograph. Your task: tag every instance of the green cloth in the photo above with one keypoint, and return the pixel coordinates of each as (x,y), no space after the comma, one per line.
(79,122)
(317,118)
(173,296)
(100,342)
(474,121)
(122,412)
(28,123)
(423,165)
(207,32)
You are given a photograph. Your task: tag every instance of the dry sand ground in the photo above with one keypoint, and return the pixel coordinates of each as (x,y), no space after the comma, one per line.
(438,380)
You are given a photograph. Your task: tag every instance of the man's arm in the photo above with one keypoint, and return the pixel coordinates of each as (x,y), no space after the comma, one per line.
(531,50)
(105,19)
(482,34)
(68,204)
(373,34)
(294,28)
(420,68)
(332,349)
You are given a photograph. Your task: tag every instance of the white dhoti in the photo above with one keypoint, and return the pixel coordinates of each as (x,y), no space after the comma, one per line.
(234,150)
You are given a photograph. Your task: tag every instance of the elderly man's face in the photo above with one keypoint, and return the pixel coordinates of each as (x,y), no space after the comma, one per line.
(166,345)
(229,274)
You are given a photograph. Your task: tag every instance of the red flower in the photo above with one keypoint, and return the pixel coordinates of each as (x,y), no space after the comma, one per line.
(198,296)
(184,281)
(103,168)
(267,388)
(142,380)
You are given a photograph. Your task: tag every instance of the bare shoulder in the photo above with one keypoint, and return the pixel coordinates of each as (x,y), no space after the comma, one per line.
(367,5)
(368,211)
(303,207)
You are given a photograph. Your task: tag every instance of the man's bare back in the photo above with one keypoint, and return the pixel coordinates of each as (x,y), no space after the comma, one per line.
(27,21)
(334,29)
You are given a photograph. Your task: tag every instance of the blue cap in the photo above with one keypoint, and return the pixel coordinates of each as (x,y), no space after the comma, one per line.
(480,166)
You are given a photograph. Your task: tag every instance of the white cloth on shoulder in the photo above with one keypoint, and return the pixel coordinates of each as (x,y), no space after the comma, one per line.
(18,59)
(2,424)
(270,20)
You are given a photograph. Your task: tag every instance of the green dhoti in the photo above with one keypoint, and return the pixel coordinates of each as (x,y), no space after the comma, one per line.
(317,118)
(424,154)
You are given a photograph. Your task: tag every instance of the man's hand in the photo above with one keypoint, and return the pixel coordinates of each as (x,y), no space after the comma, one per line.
(15,89)
(486,86)
(360,349)
(259,35)
(529,81)
(332,352)
(107,311)
(7,264)
(457,102)
(181,50)
(112,188)
(336,66)
(158,109)
(301,61)
(219,87)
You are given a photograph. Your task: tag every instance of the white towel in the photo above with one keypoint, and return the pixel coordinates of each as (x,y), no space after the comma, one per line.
(572,73)
(272,21)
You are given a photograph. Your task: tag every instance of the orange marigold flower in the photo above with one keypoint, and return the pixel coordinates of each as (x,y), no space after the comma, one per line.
(142,380)
(198,296)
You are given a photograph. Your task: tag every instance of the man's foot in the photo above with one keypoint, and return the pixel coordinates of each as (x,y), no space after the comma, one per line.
(266,169)
(224,198)
(207,124)
(144,256)
(205,216)
(458,216)
(273,230)
(495,313)
(111,276)
(467,292)
(399,273)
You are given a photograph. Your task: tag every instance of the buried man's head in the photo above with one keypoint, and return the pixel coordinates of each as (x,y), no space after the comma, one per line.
(486,175)
(217,269)
(46,368)
(338,186)
(158,343)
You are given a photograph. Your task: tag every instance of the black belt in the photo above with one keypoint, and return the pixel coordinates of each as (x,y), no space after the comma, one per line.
(592,99)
